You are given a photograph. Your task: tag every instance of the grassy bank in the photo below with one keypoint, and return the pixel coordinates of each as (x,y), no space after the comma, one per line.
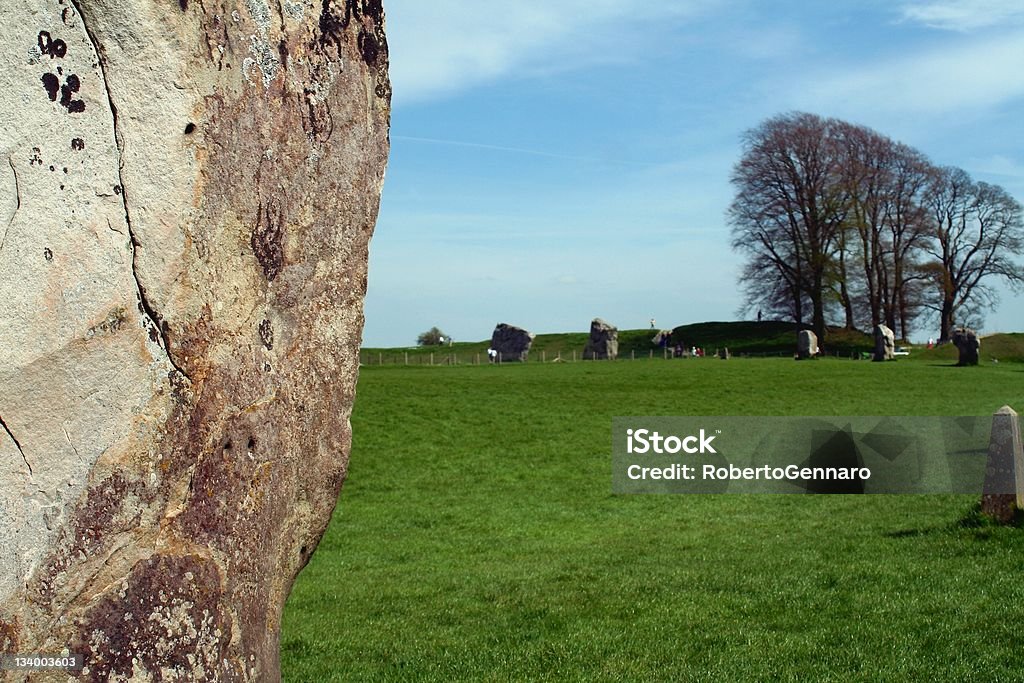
(477,538)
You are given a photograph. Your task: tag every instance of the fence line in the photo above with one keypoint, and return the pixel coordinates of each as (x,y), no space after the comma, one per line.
(442,359)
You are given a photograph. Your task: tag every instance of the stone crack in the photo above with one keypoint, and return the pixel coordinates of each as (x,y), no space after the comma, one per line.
(17,444)
(147,308)
(17,206)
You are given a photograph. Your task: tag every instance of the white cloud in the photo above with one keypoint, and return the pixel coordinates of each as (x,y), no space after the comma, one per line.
(445,46)
(961,76)
(964,15)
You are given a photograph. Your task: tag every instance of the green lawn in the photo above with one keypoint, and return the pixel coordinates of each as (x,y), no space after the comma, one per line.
(477,538)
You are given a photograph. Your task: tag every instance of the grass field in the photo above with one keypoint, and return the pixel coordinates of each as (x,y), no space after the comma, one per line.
(477,538)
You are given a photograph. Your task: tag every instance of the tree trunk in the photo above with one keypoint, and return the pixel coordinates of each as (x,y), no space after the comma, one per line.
(946,320)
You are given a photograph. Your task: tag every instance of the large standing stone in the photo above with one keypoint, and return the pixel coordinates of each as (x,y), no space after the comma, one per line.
(1003,494)
(968,344)
(885,344)
(604,341)
(806,344)
(188,194)
(512,343)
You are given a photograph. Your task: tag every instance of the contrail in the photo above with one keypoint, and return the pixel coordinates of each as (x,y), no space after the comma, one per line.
(517,150)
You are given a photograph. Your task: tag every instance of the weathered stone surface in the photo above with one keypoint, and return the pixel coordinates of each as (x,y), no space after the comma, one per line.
(1003,494)
(512,343)
(885,344)
(968,344)
(806,344)
(189,193)
(604,341)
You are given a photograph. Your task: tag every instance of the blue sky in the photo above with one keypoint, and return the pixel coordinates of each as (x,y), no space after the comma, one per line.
(552,162)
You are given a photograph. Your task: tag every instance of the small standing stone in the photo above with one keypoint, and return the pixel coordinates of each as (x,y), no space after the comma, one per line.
(885,344)
(806,345)
(968,344)
(723,353)
(604,341)
(1004,475)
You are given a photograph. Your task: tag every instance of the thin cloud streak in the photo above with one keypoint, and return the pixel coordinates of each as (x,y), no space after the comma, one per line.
(973,75)
(964,15)
(446,46)
(520,150)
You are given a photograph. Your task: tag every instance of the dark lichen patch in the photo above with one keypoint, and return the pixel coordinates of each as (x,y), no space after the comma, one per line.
(77,144)
(72,85)
(51,84)
(267,334)
(266,240)
(374,9)
(50,46)
(369,48)
(47,254)
(167,619)
(331,27)
(190,128)
(183,4)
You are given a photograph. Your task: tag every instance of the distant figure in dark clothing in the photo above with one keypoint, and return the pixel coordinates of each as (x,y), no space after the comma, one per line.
(759,316)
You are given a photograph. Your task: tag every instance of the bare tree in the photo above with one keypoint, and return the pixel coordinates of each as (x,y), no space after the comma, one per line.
(977,233)
(906,234)
(867,159)
(788,208)
(837,218)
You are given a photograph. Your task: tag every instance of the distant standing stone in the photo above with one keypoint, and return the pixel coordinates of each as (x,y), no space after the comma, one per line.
(968,344)
(604,341)
(885,344)
(723,353)
(512,343)
(806,345)
(1004,475)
